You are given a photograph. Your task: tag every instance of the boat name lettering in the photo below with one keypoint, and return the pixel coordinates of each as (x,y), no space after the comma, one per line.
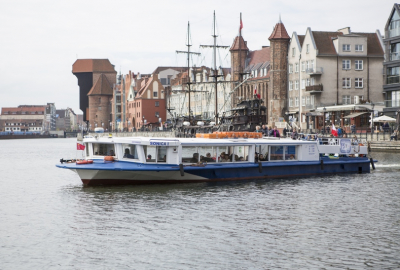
(159,143)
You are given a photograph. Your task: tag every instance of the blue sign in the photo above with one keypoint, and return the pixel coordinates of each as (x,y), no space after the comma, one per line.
(345,146)
(159,143)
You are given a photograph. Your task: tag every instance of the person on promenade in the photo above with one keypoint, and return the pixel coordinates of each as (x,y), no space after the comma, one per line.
(354,141)
(295,135)
(353,128)
(264,130)
(274,132)
(395,135)
(258,129)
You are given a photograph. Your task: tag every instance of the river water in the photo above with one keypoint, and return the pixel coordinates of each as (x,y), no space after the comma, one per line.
(48,220)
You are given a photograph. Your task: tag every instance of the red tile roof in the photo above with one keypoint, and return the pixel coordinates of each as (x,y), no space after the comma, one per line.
(101,87)
(239,44)
(259,56)
(92,65)
(279,32)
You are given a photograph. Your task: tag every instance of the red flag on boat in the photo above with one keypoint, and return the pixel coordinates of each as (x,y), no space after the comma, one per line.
(80,146)
(334,130)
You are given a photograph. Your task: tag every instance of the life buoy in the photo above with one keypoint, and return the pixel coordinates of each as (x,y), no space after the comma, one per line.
(82,162)
(108,158)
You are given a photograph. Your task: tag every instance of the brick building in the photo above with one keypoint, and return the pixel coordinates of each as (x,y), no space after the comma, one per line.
(263,71)
(96,78)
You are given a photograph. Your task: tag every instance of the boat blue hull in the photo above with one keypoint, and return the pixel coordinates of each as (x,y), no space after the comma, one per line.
(117,173)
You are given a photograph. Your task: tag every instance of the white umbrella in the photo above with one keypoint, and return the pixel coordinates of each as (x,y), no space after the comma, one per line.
(384,118)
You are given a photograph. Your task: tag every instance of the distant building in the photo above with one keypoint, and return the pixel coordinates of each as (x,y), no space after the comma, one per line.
(96,79)
(24,118)
(63,121)
(333,76)
(202,93)
(391,66)
(50,117)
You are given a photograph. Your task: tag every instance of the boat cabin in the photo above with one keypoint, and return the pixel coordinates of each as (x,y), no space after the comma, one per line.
(197,150)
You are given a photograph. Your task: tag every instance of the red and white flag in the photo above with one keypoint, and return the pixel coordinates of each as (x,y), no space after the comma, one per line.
(334,130)
(80,146)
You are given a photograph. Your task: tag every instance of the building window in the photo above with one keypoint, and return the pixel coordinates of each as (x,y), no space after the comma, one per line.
(346,47)
(296,85)
(393,75)
(303,84)
(358,64)
(290,85)
(296,67)
(290,102)
(308,100)
(359,48)
(394,25)
(296,101)
(346,83)
(155,93)
(308,82)
(290,68)
(312,99)
(303,66)
(157,104)
(358,83)
(303,101)
(307,48)
(346,64)
(293,52)
(346,99)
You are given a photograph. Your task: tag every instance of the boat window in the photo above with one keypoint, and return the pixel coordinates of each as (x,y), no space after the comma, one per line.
(150,153)
(224,154)
(190,154)
(241,153)
(277,153)
(291,153)
(102,149)
(155,153)
(283,152)
(207,153)
(161,154)
(130,151)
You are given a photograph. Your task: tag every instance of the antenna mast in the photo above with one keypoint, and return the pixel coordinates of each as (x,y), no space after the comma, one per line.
(188,61)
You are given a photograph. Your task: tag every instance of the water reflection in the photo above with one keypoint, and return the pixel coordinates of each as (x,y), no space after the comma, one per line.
(337,221)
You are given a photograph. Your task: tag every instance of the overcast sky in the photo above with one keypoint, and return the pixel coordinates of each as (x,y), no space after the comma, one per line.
(41,39)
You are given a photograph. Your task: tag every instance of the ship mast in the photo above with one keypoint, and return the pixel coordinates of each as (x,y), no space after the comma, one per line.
(188,62)
(215,76)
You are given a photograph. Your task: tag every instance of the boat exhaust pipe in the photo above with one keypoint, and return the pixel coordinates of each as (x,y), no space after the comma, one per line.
(181,169)
(322,164)
(372,163)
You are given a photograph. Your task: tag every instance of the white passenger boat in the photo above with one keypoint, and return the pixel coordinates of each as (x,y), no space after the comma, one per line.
(144,160)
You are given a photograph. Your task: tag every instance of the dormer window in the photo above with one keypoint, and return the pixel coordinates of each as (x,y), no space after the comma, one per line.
(346,47)
(359,48)
(307,48)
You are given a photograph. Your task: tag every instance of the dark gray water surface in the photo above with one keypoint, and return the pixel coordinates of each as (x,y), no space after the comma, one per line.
(48,220)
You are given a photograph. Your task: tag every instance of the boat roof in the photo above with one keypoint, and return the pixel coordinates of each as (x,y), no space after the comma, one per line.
(194,141)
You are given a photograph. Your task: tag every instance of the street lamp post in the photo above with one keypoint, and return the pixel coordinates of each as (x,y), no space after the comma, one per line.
(324,121)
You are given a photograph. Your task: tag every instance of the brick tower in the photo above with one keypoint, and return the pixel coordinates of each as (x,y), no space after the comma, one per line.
(239,53)
(277,94)
(96,78)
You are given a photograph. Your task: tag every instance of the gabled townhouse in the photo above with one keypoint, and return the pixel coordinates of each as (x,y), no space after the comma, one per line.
(334,77)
